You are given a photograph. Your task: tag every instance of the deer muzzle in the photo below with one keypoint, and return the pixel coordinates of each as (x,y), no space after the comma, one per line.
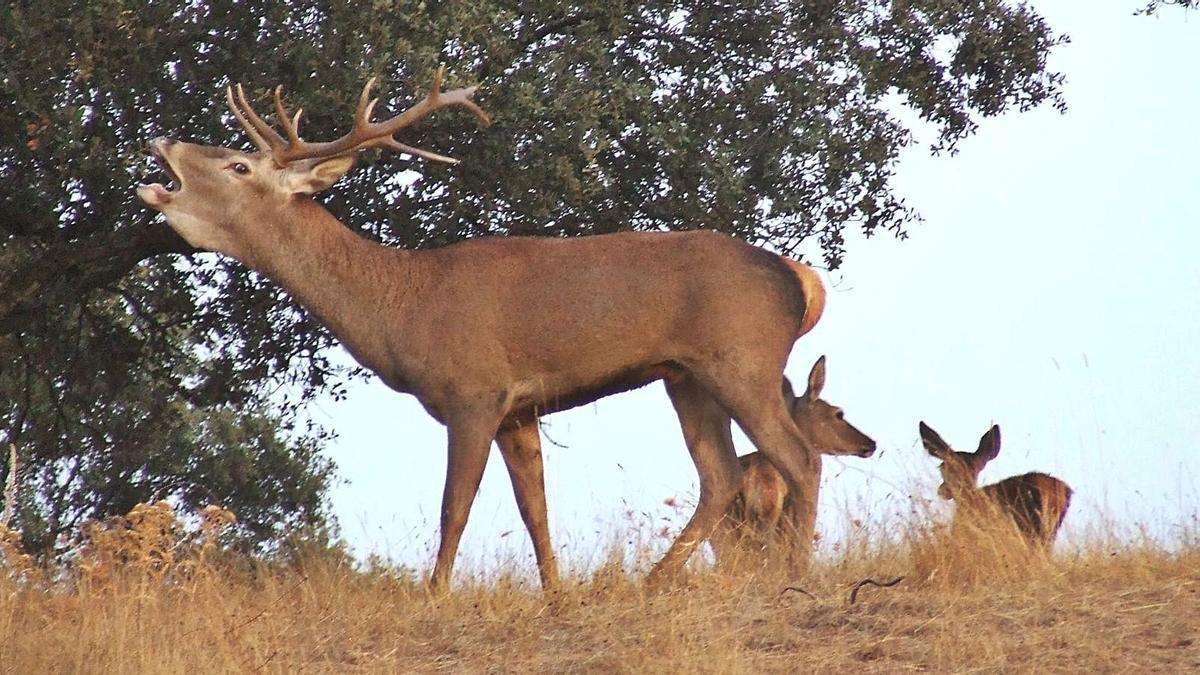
(157,195)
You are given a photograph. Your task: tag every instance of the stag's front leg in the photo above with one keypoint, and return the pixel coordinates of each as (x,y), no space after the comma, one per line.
(469,439)
(522,450)
(705,427)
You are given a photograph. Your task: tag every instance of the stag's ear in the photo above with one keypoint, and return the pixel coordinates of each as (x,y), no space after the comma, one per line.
(312,176)
(933,442)
(816,380)
(989,446)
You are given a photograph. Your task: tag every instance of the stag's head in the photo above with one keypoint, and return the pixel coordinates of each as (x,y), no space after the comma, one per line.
(214,194)
(824,424)
(960,470)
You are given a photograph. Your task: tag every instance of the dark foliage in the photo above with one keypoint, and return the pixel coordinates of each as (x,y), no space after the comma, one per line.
(127,373)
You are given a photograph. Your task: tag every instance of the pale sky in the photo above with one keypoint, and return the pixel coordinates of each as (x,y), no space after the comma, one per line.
(1051,289)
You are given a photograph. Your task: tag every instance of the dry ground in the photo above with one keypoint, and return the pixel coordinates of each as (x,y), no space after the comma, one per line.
(1101,608)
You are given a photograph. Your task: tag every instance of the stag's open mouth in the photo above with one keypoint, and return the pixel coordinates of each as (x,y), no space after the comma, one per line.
(158,194)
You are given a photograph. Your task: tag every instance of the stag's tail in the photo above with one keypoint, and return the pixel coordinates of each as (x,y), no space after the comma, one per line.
(814,294)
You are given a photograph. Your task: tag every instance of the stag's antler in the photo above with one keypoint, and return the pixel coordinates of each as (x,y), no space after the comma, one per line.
(365,134)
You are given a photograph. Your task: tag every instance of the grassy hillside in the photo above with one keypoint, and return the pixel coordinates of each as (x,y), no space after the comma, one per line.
(146,596)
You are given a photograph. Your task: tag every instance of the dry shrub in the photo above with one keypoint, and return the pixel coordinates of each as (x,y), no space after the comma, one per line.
(987,549)
(748,552)
(18,565)
(151,542)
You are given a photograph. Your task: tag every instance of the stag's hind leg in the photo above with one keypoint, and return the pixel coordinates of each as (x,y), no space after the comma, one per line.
(734,532)
(705,426)
(754,399)
(522,450)
(796,531)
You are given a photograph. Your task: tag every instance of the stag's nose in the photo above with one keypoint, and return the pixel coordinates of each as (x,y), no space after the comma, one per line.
(868,450)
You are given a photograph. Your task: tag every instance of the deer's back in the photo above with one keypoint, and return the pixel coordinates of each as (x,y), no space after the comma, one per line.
(628,276)
(1037,502)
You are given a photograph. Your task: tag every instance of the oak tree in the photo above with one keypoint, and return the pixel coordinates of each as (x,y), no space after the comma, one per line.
(132,366)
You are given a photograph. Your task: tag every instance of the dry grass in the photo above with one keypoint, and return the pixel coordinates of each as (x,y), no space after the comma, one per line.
(147,596)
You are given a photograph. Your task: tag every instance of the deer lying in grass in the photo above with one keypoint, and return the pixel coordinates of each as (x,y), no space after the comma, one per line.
(491,333)
(767,512)
(1035,502)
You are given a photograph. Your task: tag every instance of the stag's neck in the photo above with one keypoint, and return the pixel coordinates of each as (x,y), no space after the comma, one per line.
(348,282)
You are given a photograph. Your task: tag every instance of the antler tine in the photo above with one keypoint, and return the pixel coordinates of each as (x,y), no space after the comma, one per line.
(365,134)
(437,82)
(362,120)
(237,113)
(469,103)
(381,133)
(271,141)
(291,126)
(394,144)
(463,97)
(366,106)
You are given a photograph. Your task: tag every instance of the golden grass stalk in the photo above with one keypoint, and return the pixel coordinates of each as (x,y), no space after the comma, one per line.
(148,596)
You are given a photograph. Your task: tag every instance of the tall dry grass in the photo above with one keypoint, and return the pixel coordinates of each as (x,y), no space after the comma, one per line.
(149,594)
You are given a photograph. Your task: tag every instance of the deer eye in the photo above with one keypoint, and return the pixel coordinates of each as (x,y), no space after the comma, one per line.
(240,168)
(840,415)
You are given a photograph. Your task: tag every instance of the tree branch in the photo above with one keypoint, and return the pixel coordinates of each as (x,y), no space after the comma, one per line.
(68,270)
(526,41)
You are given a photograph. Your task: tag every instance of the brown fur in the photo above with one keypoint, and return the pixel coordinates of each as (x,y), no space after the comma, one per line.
(767,512)
(492,332)
(814,294)
(759,505)
(1035,502)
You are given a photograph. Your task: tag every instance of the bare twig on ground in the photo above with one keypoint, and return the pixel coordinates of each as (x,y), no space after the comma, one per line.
(872,582)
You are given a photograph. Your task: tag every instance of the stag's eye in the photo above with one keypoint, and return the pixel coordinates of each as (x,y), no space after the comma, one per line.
(840,415)
(240,168)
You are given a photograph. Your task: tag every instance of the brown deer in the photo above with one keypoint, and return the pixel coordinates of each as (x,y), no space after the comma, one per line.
(1036,502)
(766,511)
(493,332)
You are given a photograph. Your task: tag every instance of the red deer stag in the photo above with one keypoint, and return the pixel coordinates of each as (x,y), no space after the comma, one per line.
(766,511)
(1036,502)
(490,333)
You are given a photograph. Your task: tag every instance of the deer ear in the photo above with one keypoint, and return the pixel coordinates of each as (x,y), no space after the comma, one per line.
(309,178)
(989,445)
(816,380)
(790,399)
(789,394)
(933,442)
